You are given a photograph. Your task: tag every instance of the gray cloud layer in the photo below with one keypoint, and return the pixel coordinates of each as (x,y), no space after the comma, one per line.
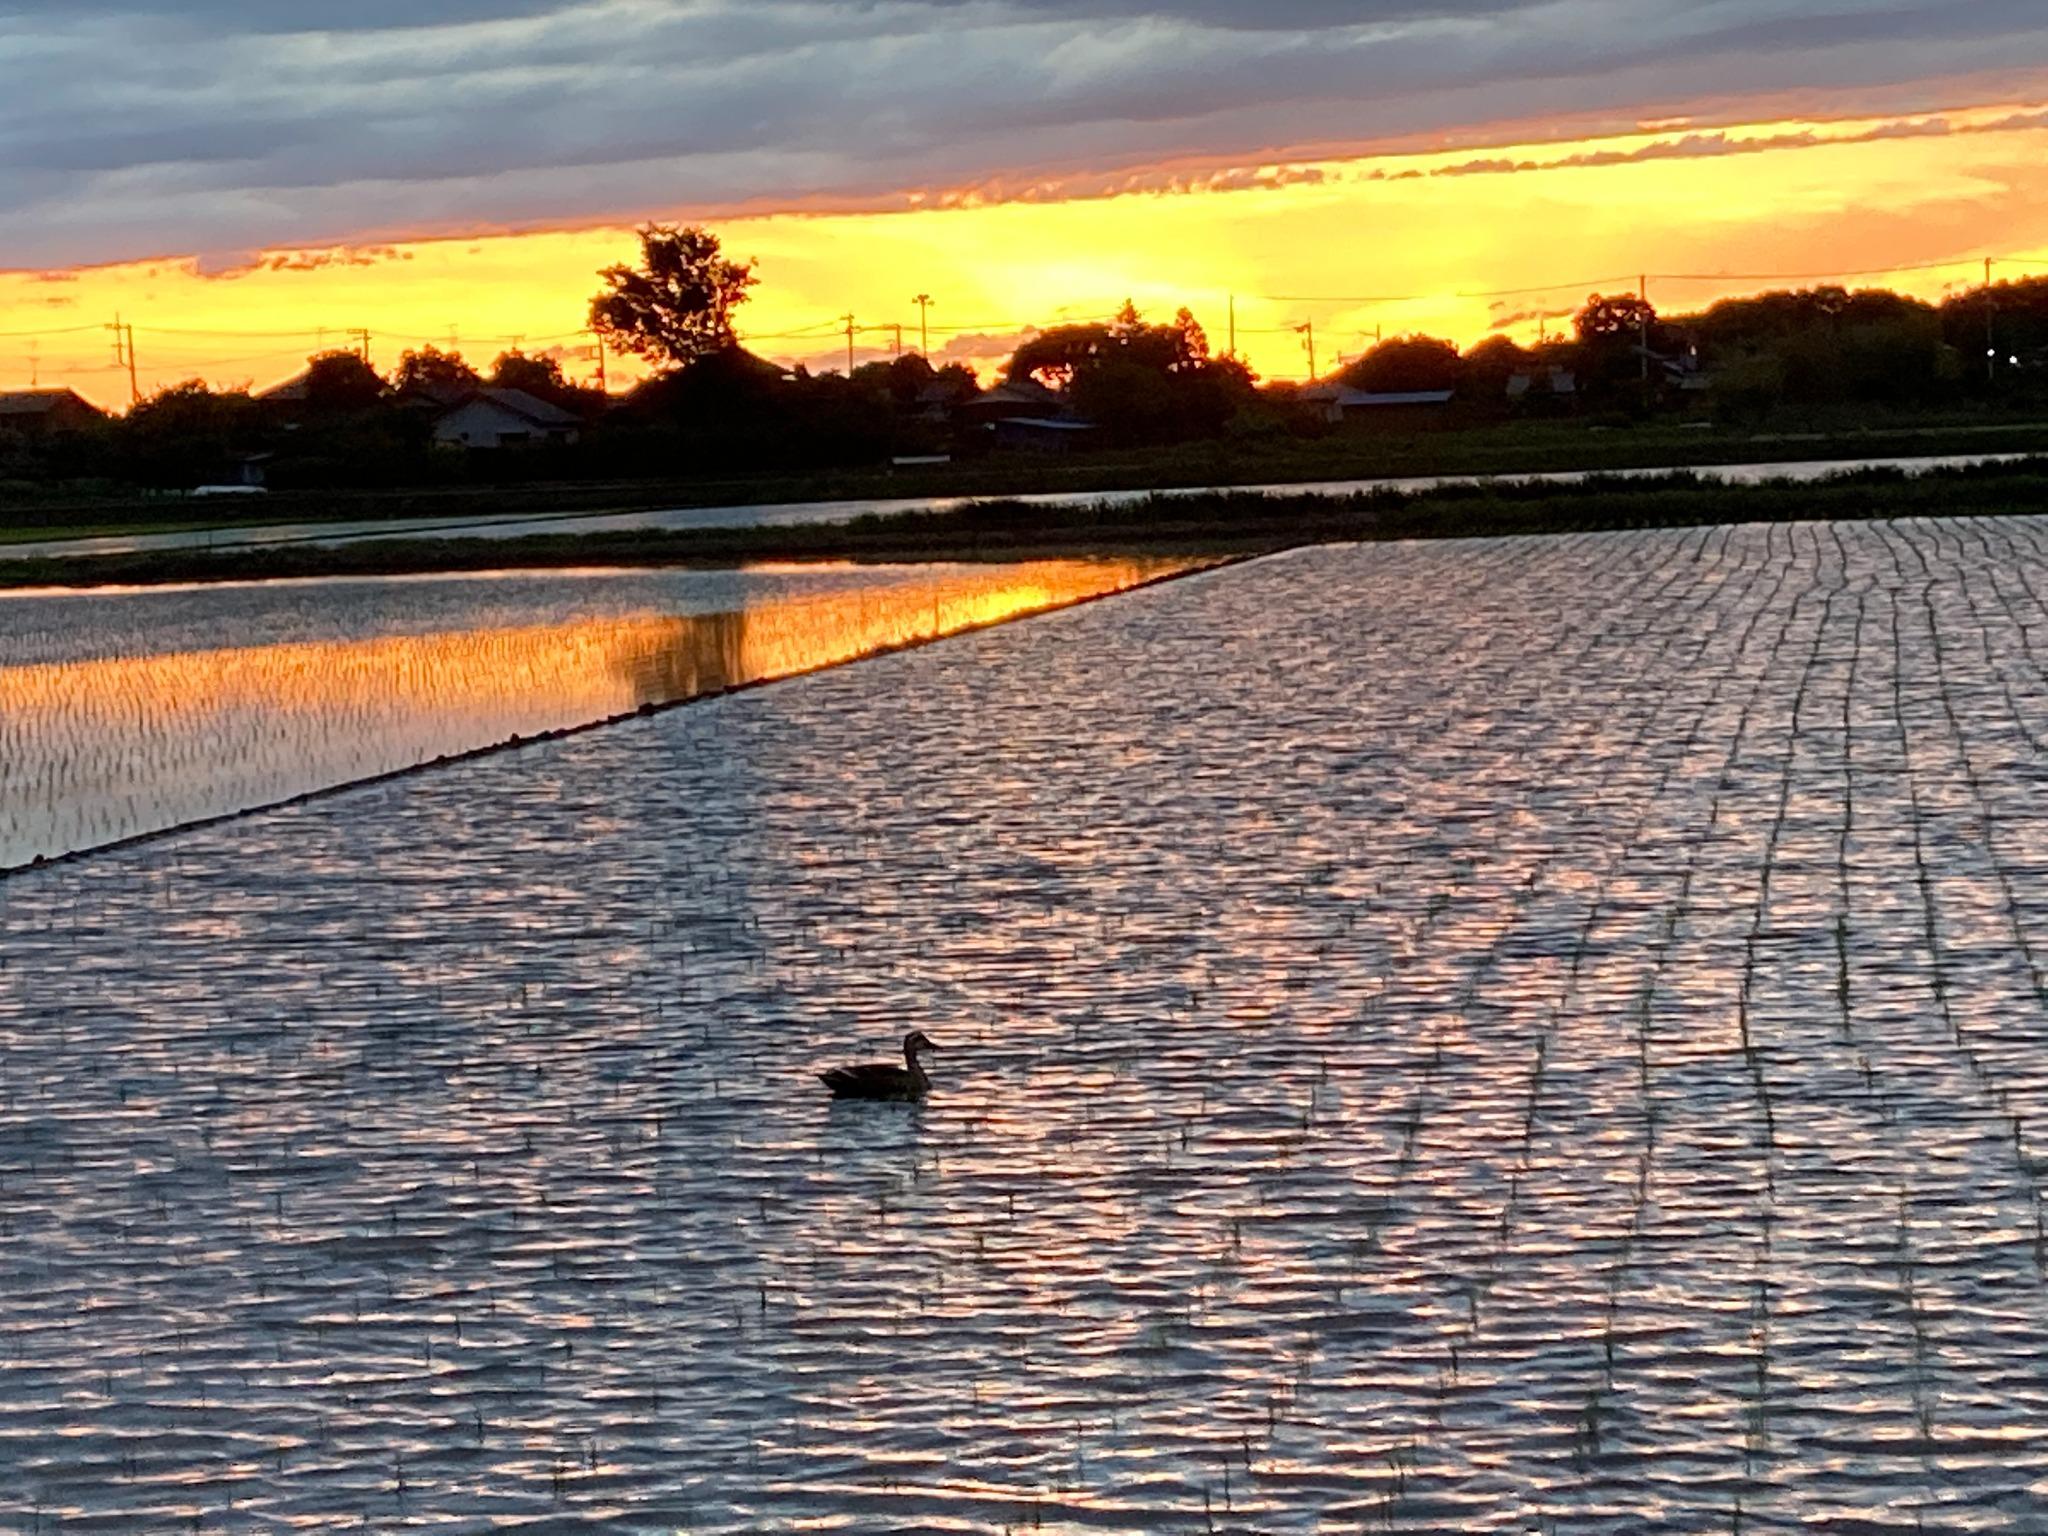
(132,127)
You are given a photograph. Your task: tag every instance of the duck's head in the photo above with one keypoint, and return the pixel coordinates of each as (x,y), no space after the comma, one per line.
(915,1044)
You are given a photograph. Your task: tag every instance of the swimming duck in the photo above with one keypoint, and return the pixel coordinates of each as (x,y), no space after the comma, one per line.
(876,1080)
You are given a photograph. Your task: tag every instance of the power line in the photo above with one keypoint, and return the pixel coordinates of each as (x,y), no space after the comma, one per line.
(1814,277)
(1632,279)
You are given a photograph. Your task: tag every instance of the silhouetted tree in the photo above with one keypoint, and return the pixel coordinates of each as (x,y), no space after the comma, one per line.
(913,384)
(542,378)
(1613,333)
(1140,382)
(1822,346)
(2018,314)
(1486,368)
(677,306)
(1403,365)
(341,381)
(430,371)
(184,434)
(1623,316)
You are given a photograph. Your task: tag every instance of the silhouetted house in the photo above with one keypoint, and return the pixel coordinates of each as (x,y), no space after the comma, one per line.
(293,391)
(504,418)
(1555,383)
(1023,415)
(437,394)
(1013,400)
(1043,434)
(935,402)
(1341,404)
(1680,371)
(47,412)
(240,474)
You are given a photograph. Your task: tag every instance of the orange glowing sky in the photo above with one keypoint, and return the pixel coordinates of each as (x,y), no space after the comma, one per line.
(1399,241)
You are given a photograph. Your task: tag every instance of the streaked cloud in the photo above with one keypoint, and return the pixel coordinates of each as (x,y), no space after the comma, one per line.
(137,127)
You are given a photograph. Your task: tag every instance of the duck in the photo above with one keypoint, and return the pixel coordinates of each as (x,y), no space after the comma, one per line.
(881,1081)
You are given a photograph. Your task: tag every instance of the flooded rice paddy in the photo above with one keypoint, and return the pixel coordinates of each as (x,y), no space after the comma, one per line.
(129,712)
(1496,1036)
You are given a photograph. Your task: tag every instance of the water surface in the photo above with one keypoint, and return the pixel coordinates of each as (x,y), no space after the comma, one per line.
(128,712)
(1501,1036)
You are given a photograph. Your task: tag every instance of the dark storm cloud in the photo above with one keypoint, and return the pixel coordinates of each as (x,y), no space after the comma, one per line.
(139,126)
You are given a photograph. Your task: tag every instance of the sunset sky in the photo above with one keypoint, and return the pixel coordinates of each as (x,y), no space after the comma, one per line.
(247,180)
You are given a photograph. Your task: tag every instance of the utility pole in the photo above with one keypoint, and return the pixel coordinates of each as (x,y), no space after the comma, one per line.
(896,344)
(603,384)
(124,352)
(1990,328)
(1233,325)
(924,324)
(1643,326)
(1308,329)
(849,344)
(361,337)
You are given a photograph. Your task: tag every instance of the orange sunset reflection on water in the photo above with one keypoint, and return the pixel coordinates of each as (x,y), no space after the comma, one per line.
(102,749)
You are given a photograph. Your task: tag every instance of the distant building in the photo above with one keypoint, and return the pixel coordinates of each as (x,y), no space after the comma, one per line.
(1015,400)
(242,474)
(1681,371)
(1341,403)
(504,418)
(1024,416)
(47,412)
(292,391)
(1043,434)
(1557,382)
(441,394)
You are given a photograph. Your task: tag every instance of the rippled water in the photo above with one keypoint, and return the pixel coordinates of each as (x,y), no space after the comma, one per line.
(126,713)
(1499,1036)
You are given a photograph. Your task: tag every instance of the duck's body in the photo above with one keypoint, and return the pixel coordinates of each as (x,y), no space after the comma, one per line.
(884,1083)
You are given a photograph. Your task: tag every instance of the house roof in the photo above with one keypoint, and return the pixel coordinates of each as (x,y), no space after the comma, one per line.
(1347,398)
(519,403)
(293,388)
(1045,424)
(1016,392)
(41,402)
(440,392)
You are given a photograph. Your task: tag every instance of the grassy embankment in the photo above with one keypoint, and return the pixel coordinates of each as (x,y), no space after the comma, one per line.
(1221,523)
(28,513)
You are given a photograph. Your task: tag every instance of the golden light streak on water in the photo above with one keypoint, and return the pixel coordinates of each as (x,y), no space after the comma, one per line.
(94,751)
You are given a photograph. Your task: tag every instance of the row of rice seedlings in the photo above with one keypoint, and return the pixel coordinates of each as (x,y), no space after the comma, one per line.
(1757,1412)
(2027,1164)
(1652,719)
(1437,908)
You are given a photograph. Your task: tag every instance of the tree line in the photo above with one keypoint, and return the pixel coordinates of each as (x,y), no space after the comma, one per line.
(711,406)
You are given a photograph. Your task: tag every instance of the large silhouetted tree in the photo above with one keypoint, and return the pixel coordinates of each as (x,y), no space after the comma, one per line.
(1405,364)
(432,371)
(341,381)
(1140,382)
(677,306)
(183,434)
